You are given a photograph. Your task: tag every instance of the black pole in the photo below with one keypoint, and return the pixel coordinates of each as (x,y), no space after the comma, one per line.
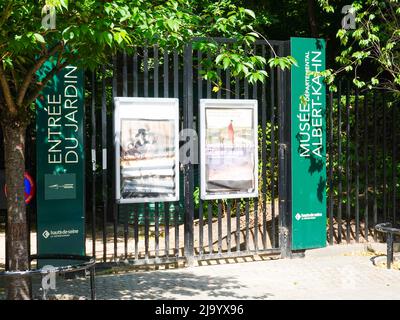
(284,105)
(93,116)
(188,167)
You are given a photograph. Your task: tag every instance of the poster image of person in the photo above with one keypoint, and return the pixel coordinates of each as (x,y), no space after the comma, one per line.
(229,150)
(147,158)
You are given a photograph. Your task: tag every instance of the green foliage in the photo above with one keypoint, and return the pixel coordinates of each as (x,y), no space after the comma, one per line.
(374,44)
(94,30)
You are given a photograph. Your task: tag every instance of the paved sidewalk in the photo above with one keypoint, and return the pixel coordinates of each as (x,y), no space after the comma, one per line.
(339,272)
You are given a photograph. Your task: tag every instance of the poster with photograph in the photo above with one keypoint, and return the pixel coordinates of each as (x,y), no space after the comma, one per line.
(228,148)
(147,149)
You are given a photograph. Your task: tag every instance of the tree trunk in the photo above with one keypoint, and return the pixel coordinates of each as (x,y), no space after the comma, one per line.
(17,229)
(312,18)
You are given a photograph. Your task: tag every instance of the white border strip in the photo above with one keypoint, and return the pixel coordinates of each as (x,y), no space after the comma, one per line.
(228,104)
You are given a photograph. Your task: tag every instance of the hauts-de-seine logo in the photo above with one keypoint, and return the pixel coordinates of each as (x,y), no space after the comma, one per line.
(59,233)
(308,216)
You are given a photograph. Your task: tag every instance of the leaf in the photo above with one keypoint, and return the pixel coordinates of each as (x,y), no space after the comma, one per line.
(226,63)
(39,37)
(250,13)
(215,89)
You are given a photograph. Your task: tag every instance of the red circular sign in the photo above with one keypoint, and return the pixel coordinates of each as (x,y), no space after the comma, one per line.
(29,188)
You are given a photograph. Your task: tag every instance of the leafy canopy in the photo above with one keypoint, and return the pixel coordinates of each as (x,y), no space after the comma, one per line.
(375,43)
(93,30)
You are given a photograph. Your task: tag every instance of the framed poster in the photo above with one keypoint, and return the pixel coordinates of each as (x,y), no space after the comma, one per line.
(228,149)
(146,149)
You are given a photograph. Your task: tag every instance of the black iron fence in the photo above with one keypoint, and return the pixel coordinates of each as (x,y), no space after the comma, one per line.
(191,228)
(362,166)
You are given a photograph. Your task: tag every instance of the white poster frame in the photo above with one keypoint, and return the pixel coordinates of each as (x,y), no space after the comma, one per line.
(226,104)
(152,109)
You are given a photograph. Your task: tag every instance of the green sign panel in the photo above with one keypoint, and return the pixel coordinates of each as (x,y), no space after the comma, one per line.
(60,163)
(308,140)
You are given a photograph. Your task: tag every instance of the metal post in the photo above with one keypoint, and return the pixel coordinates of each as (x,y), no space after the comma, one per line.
(188,168)
(284,105)
(389,249)
(92,283)
(93,145)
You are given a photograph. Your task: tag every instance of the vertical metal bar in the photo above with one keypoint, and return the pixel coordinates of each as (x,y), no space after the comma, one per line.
(166,217)
(228,83)
(389,254)
(348,162)
(238,225)
(136,229)
(284,152)
(247,224)
(237,88)
(366,160)
(92,283)
(394,163)
(256,224)
(114,205)
(219,227)
(246,89)
(228,226)
(93,118)
(156,212)
(384,106)
(146,230)
(273,151)
(201,228)
(156,71)
(104,161)
(219,92)
(124,75)
(176,74)
(176,95)
(246,96)
(330,208)
(264,156)
(210,234)
(357,205)
(176,227)
(126,233)
(339,211)
(188,177)
(208,80)
(157,229)
(135,74)
(255,89)
(146,72)
(166,74)
(375,206)
(237,96)
(125,94)
(200,96)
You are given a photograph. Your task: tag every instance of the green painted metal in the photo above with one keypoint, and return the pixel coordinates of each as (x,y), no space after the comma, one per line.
(60,163)
(308,144)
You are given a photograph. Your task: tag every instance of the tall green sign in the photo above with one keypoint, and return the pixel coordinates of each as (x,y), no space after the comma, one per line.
(308,141)
(60,163)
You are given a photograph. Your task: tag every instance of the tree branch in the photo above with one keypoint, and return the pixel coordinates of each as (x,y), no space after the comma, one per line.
(28,79)
(7,93)
(16,84)
(40,85)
